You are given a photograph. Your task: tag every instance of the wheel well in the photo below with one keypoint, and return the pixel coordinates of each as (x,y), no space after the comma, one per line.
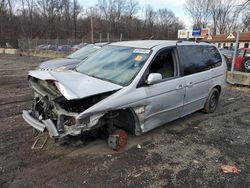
(123,118)
(218,87)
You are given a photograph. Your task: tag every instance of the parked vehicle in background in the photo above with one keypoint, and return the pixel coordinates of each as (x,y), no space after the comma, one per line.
(72,60)
(40,47)
(46,47)
(78,46)
(242,62)
(134,86)
(64,48)
(228,55)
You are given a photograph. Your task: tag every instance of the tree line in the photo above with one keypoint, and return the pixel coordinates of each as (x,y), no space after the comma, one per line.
(62,19)
(222,16)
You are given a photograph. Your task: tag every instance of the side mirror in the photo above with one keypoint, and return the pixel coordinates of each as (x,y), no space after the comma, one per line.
(153,78)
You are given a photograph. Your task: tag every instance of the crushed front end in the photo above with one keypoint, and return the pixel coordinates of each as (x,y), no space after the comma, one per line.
(51,111)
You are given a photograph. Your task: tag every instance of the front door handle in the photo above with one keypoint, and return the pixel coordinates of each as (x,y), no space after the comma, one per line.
(179,86)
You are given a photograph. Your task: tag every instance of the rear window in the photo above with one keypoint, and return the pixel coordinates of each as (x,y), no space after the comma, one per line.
(247,53)
(199,58)
(241,53)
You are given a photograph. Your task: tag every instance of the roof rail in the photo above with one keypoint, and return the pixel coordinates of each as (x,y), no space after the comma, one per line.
(181,41)
(202,42)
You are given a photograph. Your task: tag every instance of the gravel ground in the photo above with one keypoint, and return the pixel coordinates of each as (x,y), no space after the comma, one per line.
(188,152)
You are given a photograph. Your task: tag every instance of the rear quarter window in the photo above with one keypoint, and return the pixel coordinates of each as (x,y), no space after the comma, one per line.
(247,53)
(198,58)
(241,53)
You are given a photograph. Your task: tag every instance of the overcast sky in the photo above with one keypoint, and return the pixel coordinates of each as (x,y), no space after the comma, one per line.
(177,6)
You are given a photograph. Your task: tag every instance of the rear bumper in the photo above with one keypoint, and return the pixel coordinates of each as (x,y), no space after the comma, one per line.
(48,124)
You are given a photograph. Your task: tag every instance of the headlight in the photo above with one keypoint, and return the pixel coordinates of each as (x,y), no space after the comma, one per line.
(61,68)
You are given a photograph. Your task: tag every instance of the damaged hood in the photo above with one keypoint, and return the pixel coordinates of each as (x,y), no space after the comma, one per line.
(74,85)
(56,63)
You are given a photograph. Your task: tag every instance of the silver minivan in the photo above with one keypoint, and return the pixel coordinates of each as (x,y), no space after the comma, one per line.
(132,86)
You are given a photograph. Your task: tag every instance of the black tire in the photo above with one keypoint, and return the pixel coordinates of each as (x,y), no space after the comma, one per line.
(212,101)
(245,65)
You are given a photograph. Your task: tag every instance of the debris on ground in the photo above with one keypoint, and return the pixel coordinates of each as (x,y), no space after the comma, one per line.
(138,146)
(137,175)
(230,169)
(195,161)
(39,144)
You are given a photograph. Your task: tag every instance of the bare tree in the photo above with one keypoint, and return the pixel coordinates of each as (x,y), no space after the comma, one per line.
(150,17)
(199,11)
(226,14)
(168,24)
(246,16)
(132,8)
(222,15)
(76,11)
(61,19)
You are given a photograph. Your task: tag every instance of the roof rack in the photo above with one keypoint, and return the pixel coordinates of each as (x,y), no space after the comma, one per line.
(181,41)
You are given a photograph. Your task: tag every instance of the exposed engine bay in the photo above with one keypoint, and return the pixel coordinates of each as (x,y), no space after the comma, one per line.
(49,103)
(59,115)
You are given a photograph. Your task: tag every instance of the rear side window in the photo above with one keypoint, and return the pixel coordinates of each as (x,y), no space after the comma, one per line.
(199,58)
(241,53)
(247,53)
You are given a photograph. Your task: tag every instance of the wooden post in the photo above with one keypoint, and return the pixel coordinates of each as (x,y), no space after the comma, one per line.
(121,37)
(108,37)
(92,29)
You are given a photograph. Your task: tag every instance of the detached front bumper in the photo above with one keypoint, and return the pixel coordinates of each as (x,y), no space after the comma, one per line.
(48,124)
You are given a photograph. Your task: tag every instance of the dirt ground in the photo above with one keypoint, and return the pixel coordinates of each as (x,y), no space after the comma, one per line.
(188,152)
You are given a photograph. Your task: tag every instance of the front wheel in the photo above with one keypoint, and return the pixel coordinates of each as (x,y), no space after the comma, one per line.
(212,101)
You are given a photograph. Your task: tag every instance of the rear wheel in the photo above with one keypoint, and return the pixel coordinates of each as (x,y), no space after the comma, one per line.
(212,101)
(246,65)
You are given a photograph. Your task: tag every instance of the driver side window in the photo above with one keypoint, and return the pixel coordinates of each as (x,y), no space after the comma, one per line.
(164,64)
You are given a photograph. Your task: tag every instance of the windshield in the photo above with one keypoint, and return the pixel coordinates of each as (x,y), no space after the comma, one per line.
(115,64)
(84,52)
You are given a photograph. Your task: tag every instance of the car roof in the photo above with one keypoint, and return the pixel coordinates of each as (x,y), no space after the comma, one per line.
(143,43)
(149,44)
